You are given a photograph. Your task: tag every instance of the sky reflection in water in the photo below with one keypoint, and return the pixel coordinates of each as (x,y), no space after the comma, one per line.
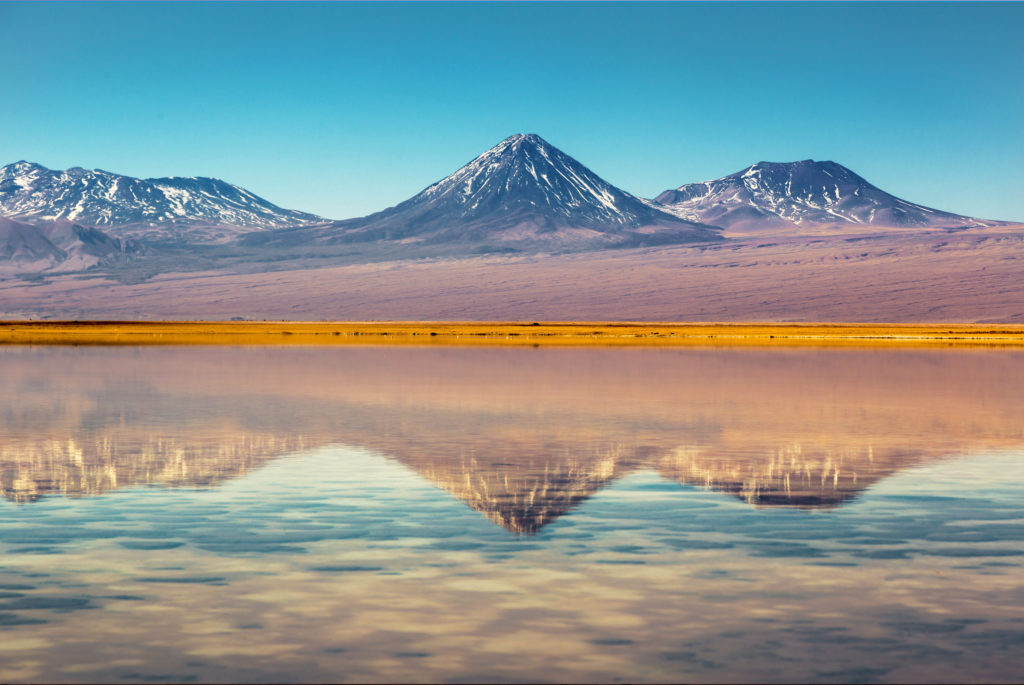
(388,514)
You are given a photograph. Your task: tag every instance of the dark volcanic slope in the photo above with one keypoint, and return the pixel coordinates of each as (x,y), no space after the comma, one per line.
(523,193)
(155,207)
(802,194)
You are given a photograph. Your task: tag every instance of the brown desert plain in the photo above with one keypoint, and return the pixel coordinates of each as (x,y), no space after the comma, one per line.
(884,276)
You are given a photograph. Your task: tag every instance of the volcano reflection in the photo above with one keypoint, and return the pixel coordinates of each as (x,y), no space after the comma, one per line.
(520,435)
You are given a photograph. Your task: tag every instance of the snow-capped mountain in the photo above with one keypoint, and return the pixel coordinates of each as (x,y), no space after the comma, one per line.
(523,193)
(802,194)
(58,245)
(198,208)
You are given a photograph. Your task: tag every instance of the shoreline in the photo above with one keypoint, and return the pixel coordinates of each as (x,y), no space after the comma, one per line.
(551,333)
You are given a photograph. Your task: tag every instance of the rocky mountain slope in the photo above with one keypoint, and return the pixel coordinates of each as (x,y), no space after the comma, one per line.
(805,194)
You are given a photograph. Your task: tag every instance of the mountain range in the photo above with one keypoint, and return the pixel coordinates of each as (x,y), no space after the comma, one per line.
(195,209)
(521,196)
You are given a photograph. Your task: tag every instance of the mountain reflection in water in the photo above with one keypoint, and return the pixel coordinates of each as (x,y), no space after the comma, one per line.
(663,515)
(521,435)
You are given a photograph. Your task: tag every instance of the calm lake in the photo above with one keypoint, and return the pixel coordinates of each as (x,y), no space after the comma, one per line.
(403,514)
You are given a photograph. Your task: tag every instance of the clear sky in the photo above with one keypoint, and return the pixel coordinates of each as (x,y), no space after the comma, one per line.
(344,109)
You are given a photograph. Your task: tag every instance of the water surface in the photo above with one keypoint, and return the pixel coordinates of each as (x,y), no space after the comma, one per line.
(454,514)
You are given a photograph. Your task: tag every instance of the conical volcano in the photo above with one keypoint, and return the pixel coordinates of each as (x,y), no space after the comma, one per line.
(523,193)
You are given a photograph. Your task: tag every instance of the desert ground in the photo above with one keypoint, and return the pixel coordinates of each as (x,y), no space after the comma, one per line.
(969,276)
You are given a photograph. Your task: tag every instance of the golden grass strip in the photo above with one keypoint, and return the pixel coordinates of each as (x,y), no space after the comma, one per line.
(501,333)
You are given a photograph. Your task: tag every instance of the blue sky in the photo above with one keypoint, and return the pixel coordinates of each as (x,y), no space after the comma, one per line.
(344,109)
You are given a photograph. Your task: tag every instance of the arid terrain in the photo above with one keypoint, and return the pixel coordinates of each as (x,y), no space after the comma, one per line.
(966,276)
